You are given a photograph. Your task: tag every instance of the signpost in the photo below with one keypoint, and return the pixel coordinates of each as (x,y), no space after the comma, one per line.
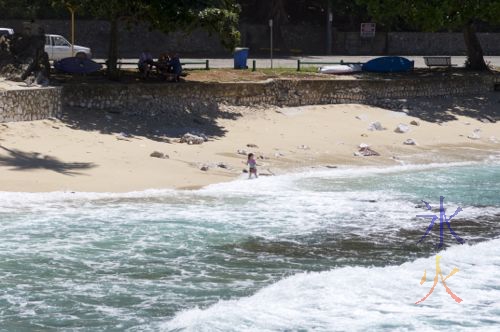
(368,30)
(271,39)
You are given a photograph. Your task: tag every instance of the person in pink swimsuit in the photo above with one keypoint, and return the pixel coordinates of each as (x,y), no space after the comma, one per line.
(252,166)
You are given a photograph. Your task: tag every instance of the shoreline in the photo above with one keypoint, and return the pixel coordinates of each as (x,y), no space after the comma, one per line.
(56,156)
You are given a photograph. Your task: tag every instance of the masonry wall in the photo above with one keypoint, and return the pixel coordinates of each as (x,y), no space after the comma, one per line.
(154,99)
(150,100)
(294,39)
(30,104)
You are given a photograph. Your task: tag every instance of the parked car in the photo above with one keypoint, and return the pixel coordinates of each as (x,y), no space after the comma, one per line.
(57,47)
(7,32)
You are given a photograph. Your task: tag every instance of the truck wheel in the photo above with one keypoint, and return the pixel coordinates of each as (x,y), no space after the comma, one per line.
(81,55)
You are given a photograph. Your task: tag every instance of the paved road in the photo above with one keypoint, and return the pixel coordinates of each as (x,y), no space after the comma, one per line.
(291,62)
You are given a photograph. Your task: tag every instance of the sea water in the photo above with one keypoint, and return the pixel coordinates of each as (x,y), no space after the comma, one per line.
(322,250)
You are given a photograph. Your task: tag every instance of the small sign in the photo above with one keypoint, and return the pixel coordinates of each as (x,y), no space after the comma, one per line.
(368,30)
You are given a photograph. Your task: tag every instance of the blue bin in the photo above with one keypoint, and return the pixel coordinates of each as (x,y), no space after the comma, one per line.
(240,57)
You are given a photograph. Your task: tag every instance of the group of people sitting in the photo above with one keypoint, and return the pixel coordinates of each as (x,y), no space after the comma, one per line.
(167,65)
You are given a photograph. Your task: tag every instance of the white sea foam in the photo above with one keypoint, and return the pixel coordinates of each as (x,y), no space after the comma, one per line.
(357,298)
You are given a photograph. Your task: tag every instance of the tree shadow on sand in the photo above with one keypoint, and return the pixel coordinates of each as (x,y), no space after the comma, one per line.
(485,107)
(198,119)
(23,161)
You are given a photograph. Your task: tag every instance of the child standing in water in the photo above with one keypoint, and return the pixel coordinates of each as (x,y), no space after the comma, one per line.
(252,166)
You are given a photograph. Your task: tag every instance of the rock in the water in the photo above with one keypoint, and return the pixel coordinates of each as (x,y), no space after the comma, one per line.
(331,166)
(410,141)
(415,123)
(366,152)
(157,154)
(375,126)
(475,134)
(192,139)
(401,128)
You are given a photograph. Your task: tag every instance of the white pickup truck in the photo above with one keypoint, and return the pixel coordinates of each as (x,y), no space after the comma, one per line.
(7,32)
(57,47)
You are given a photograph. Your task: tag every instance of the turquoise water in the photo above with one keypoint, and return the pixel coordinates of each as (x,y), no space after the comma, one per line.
(323,250)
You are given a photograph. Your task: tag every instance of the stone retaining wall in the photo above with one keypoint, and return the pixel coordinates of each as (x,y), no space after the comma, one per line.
(172,98)
(154,99)
(30,104)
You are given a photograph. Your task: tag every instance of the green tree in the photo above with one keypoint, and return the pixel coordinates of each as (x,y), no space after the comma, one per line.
(432,15)
(215,16)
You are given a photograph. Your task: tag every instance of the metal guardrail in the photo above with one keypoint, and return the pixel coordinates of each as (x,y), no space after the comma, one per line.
(201,62)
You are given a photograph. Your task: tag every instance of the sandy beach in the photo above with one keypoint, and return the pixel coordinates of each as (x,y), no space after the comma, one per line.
(102,156)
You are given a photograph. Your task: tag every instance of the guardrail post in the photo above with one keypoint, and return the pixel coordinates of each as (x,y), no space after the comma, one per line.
(254,66)
(207,65)
(298,64)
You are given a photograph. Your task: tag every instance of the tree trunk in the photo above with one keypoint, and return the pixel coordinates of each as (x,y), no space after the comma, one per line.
(280,17)
(113,51)
(475,59)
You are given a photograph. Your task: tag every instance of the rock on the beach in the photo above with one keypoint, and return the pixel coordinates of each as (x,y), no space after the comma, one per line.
(192,139)
(222,165)
(401,128)
(410,141)
(157,154)
(366,152)
(278,154)
(250,145)
(375,126)
(204,168)
(414,123)
(475,134)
